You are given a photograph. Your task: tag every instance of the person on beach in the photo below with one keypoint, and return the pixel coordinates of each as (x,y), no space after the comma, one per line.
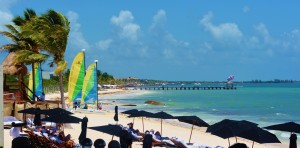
(42,97)
(75,106)
(157,138)
(114,144)
(135,133)
(293,140)
(14,131)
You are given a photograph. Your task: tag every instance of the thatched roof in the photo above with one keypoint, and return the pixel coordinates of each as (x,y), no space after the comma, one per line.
(10,68)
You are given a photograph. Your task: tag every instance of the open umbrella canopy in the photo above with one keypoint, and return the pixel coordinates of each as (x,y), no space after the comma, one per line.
(55,112)
(110,129)
(131,111)
(230,128)
(62,119)
(288,127)
(259,135)
(228,122)
(194,120)
(30,110)
(142,113)
(162,115)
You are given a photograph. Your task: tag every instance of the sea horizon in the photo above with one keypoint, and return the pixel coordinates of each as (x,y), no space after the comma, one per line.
(262,103)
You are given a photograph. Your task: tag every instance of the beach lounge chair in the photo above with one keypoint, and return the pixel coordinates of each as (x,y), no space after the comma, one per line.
(149,142)
(8,120)
(181,144)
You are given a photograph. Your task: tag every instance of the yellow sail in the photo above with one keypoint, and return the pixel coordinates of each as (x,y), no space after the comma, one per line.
(76,78)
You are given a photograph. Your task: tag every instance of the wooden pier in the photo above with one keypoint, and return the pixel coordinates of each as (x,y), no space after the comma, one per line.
(186,88)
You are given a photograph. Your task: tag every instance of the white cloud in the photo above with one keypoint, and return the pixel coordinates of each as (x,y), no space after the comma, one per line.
(104,44)
(128,29)
(5,14)
(246,9)
(226,32)
(159,20)
(76,37)
(168,53)
(5,18)
(159,32)
(292,40)
(266,37)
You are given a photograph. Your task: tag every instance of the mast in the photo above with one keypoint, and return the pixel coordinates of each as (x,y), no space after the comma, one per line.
(96,61)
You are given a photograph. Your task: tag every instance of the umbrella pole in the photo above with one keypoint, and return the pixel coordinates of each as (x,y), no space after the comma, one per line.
(133,121)
(112,138)
(191,133)
(143,123)
(235,139)
(253,144)
(160,126)
(228,141)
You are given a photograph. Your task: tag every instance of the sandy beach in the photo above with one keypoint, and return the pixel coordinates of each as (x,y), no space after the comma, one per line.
(171,128)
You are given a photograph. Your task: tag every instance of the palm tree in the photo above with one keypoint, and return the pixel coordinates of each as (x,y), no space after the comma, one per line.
(51,31)
(26,50)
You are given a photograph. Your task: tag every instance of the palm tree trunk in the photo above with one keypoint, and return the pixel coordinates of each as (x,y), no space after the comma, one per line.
(33,82)
(61,89)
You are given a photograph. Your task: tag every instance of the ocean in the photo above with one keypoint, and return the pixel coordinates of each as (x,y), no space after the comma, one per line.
(262,103)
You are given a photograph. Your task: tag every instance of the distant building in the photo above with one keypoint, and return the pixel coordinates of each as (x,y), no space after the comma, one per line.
(47,74)
(128,78)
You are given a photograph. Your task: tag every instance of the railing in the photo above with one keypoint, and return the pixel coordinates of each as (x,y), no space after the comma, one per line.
(26,89)
(53,89)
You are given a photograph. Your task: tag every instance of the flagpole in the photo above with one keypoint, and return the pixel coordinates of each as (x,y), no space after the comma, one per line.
(83,50)
(96,61)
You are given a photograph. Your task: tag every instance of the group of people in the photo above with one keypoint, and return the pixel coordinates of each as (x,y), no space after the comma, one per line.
(155,138)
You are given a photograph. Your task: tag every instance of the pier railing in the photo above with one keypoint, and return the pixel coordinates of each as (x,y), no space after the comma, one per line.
(186,88)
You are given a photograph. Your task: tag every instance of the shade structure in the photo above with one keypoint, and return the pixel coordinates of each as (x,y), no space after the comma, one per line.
(62,119)
(129,112)
(288,127)
(82,135)
(257,134)
(142,114)
(194,120)
(29,110)
(230,128)
(226,122)
(114,130)
(238,145)
(56,112)
(116,116)
(37,117)
(162,115)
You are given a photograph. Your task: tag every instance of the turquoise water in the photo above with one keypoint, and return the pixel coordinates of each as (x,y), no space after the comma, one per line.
(261,103)
(265,104)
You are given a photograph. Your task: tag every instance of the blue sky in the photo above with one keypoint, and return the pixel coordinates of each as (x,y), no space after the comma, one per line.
(179,40)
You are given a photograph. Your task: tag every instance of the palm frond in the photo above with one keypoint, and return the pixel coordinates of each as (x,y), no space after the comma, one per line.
(29,14)
(10,36)
(61,66)
(29,57)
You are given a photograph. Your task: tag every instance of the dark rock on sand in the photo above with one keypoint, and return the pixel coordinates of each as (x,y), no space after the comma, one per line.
(153,102)
(128,105)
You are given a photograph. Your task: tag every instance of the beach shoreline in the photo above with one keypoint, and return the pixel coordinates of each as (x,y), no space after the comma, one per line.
(171,128)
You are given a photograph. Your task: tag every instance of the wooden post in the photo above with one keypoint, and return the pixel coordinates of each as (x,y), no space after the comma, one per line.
(143,123)
(1,108)
(191,134)
(161,126)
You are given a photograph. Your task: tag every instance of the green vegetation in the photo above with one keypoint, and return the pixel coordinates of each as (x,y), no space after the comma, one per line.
(35,38)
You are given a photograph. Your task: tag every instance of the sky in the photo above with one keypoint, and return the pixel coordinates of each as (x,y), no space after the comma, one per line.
(196,40)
